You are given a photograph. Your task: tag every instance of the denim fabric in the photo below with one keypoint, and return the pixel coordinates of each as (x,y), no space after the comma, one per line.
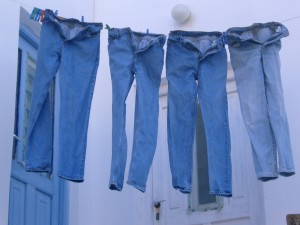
(141,56)
(72,47)
(254,53)
(201,56)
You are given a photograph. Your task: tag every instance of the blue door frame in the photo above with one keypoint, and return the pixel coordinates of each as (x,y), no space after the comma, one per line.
(35,198)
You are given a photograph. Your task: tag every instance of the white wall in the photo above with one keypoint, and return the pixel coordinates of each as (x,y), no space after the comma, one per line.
(8,67)
(92,202)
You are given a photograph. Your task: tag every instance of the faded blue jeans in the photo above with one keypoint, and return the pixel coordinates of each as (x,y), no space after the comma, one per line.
(140,56)
(254,53)
(191,57)
(72,48)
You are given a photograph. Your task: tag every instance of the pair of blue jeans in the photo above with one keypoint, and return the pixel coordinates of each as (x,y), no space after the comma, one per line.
(140,56)
(192,57)
(72,48)
(254,53)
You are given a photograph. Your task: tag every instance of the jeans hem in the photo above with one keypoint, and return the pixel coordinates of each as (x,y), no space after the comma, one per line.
(227,194)
(115,187)
(287,172)
(139,187)
(36,169)
(266,176)
(183,190)
(74,179)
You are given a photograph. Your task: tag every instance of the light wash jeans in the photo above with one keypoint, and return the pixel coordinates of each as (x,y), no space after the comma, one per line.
(72,47)
(141,56)
(201,56)
(254,53)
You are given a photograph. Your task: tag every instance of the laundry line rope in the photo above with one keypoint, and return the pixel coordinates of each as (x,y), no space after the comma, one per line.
(282,21)
(293,18)
(23,4)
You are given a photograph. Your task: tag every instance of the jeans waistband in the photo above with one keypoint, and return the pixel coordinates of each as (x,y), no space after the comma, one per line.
(247,33)
(215,37)
(194,33)
(91,27)
(117,32)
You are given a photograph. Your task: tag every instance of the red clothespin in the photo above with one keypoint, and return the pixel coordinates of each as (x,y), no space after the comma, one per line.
(42,16)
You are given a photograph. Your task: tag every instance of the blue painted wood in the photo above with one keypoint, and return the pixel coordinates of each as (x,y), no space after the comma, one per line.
(30,204)
(43,208)
(35,198)
(63,212)
(36,180)
(17,202)
(28,37)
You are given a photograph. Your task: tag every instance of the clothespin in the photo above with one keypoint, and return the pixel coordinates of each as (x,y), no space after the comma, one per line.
(225,38)
(42,16)
(82,18)
(37,14)
(107,27)
(33,13)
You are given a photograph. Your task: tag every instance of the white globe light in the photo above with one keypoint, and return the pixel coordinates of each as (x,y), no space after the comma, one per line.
(180,13)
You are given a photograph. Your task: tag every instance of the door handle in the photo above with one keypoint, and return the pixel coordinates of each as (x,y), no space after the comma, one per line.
(157,205)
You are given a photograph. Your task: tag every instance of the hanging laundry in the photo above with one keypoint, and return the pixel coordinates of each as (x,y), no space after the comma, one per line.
(254,53)
(201,56)
(72,48)
(141,56)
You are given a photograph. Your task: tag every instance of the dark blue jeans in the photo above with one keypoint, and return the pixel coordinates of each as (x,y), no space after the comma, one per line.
(140,56)
(192,57)
(72,48)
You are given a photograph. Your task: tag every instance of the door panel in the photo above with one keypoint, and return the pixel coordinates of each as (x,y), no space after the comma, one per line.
(17,202)
(43,208)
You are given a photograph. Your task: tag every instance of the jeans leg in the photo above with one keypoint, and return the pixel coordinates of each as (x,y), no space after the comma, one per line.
(182,66)
(39,149)
(77,75)
(213,100)
(278,118)
(148,68)
(253,101)
(120,61)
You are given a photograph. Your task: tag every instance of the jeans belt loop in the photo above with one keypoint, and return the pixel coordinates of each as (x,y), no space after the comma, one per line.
(181,38)
(224,37)
(91,29)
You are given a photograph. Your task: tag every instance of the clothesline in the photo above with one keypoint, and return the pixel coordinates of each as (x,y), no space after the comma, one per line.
(136,56)
(293,18)
(23,4)
(282,21)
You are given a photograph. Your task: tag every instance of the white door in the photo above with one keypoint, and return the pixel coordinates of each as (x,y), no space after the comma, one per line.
(175,208)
